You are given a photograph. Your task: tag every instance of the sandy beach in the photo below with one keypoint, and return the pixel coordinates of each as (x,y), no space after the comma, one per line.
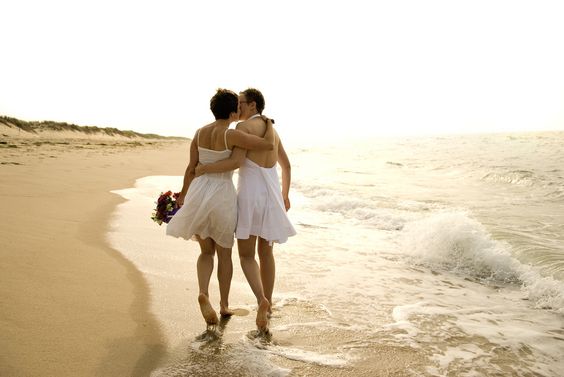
(70,304)
(89,286)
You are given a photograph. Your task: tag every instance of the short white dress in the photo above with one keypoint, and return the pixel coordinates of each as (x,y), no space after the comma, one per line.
(260,206)
(210,207)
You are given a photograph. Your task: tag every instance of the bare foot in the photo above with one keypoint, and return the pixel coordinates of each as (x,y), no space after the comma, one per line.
(207,311)
(225,311)
(262,315)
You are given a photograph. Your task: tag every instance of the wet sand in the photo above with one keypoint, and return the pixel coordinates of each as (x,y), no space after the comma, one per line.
(70,304)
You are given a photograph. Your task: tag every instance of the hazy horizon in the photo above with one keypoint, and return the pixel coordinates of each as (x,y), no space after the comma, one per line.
(339,70)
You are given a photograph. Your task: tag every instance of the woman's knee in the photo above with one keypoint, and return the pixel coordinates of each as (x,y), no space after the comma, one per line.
(207,249)
(207,246)
(246,253)
(264,248)
(207,252)
(246,247)
(223,254)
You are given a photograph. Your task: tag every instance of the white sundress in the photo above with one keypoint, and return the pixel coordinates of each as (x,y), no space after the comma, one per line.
(210,207)
(260,207)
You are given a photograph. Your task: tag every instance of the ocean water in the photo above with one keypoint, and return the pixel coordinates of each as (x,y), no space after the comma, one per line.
(436,256)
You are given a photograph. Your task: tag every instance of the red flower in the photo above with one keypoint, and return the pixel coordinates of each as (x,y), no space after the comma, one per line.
(161,213)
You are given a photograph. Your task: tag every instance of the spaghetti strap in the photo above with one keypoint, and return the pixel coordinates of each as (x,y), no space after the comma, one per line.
(225,138)
(198,138)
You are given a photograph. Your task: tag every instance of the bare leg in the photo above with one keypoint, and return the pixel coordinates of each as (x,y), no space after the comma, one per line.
(224,276)
(205,269)
(252,273)
(267,269)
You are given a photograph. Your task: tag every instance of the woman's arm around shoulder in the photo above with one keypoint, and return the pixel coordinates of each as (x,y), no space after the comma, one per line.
(233,162)
(242,139)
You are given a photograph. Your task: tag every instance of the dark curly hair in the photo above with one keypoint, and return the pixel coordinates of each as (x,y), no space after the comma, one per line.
(254,95)
(223,103)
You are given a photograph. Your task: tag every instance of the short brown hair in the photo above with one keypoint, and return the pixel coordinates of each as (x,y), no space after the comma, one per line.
(223,103)
(254,95)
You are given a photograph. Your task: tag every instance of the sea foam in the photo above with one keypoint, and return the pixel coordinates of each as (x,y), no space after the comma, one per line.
(370,212)
(456,242)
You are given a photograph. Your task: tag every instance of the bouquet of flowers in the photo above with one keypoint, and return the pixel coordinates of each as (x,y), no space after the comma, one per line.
(166,207)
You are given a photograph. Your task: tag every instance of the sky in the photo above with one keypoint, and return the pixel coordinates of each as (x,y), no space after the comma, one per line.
(354,68)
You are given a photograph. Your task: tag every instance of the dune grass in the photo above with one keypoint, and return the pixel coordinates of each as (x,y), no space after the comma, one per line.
(48,125)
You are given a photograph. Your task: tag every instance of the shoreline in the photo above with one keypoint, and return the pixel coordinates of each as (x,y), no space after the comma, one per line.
(150,341)
(71,304)
(169,266)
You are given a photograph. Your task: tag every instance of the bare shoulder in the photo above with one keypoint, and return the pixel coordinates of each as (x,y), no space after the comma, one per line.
(206,130)
(243,126)
(253,126)
(206,127)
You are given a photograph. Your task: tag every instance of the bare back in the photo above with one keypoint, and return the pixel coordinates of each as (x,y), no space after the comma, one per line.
(212,137)
(257,127)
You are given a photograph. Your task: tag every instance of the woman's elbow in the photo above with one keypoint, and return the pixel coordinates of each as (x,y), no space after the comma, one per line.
(265,145)
(237,164)
(190,169)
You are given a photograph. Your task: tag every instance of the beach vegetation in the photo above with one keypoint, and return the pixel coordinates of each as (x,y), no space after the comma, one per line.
(36,127)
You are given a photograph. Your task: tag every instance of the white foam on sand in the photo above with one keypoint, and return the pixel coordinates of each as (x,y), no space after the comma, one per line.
(166,262)
(481,332)
(210,357)
(333,360)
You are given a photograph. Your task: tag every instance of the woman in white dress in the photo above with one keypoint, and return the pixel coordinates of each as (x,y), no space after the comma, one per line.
(208,203)
(262,204)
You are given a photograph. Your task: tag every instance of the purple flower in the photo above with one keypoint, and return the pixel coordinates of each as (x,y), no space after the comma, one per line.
(162,213)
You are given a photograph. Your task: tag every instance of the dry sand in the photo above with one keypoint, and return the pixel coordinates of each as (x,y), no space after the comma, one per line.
(70,305)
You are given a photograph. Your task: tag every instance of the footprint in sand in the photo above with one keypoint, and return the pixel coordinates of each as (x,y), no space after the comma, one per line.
(240,312)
